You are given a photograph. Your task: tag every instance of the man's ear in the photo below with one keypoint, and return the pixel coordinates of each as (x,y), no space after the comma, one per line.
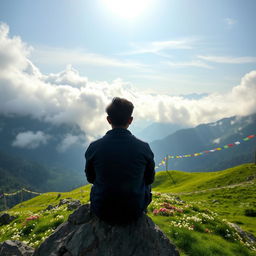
(130,120)
(109,120)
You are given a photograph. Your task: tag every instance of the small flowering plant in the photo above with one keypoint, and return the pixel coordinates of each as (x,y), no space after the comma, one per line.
(163,211)
(171,207)
(191,217)
(32,217)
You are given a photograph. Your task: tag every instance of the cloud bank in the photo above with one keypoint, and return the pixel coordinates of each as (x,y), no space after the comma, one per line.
(68,141)
(67,97)
(30,139)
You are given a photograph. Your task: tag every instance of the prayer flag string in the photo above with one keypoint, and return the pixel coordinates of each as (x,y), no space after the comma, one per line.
(163,161)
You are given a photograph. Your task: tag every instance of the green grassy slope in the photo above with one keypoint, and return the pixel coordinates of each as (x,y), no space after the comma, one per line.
(229,193)
(195,212)
(225,196)
(186,182)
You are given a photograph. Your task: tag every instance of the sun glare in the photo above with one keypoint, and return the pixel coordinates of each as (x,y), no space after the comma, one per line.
(128,9)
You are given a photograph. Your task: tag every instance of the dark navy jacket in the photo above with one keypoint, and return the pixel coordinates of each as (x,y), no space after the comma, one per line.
(121,168)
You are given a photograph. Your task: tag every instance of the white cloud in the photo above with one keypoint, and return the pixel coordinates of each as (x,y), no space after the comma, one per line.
(58,56)
(67,142)
(30,139)
(69,77)
(13,51)
(216,141)
(228,59)
(67,97)
(158,46)
(195,63)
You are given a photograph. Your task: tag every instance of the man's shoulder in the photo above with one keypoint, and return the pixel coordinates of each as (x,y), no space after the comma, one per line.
(91,147)
(95,142)
(139,141)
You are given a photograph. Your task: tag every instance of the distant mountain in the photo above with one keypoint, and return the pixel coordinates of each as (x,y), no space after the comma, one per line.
(51,157)
(208,136)
(157,131)
(17,172)
(40,156)
(61,146)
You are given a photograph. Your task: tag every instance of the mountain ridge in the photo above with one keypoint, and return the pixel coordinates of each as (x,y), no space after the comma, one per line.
(205,137)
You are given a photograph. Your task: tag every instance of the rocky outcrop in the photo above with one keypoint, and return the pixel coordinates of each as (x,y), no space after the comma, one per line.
(72,204)
(86,235)
(6,218)
(15,248)
(247,237)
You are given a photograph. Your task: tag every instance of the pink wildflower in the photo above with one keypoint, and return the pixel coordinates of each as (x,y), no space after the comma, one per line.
(33,217)
(155,212)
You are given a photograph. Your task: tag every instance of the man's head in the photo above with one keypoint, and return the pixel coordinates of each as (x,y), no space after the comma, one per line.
(120,112)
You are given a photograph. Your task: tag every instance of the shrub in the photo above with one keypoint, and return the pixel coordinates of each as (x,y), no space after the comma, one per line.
(250,212)
(198,227)
(27,229)
(41,228)
(195,208)
(224,231)
(56,223)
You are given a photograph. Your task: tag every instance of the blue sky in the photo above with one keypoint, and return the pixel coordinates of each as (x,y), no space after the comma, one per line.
(172,47)
(184,62)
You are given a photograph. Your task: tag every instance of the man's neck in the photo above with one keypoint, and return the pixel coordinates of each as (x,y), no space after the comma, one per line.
(123,127)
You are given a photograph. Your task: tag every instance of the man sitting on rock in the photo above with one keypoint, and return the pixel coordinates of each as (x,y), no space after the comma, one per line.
(121,168)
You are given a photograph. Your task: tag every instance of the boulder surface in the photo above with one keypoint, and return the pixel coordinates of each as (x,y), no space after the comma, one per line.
(84,234)
(15,248)
(6,218)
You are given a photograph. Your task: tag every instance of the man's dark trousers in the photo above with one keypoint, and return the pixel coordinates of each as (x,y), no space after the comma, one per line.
(121,168)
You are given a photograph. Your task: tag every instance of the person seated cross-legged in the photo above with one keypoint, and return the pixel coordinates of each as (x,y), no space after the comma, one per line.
(121,168)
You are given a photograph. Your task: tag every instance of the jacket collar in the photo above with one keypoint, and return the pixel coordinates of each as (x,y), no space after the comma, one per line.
(116,131)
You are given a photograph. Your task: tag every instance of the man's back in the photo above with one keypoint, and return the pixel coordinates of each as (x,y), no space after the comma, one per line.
(121,167)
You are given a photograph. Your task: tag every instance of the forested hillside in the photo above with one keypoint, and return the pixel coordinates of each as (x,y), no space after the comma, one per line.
(16,173)
(206,137)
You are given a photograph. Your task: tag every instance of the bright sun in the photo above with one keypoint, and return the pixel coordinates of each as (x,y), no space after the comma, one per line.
(128,9)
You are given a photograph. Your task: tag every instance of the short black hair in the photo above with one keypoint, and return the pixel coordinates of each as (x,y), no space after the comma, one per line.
(119,111)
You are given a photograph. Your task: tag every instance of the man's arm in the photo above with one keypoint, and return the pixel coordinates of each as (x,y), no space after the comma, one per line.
(89,169)
(150,167)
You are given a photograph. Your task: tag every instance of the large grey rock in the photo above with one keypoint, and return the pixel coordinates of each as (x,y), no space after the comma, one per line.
(64,201)
(73,205)
(6,218)
(246,236)
(84,234)
(49,207)
(15,248)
